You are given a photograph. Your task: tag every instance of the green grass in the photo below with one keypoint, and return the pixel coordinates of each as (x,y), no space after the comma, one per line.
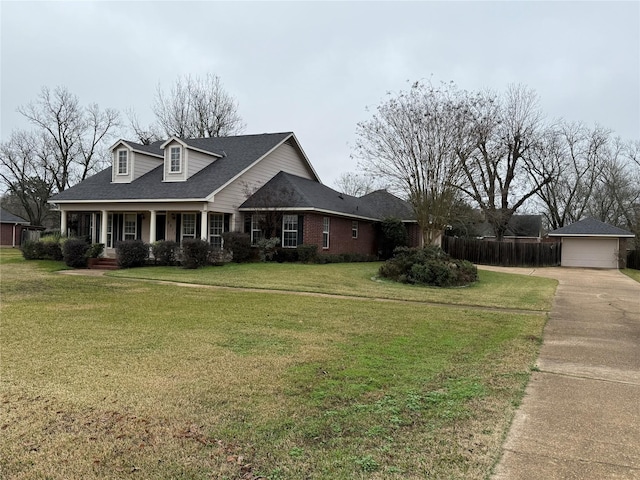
(105,377)
(360,280)
(631,273)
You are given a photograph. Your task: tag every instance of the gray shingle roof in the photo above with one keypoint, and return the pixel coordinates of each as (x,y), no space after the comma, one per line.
(241,152)
(290,191)
(6,217)
(590,227)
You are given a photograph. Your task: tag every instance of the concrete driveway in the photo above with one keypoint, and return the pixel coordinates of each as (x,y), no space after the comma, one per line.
(580,417)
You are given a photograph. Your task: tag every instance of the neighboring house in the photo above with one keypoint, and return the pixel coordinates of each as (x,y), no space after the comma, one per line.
(592,243)
(12,229)
(312,213)
(520,229)
(200,188)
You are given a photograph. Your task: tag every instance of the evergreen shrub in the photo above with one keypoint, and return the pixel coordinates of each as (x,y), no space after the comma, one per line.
(132,253)
(428,266)
(74,252)
(165,252)
(195,253)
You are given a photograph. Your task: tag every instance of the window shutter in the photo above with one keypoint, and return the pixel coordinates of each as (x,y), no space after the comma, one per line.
(247,223)
(139,227)
(198,225)
(227,221)
(120,226)
(178,226)
(300,229)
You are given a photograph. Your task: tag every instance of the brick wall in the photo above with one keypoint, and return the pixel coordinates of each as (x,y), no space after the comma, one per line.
(340,235)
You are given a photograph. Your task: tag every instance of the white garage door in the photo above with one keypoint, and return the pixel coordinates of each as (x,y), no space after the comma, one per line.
(590,252)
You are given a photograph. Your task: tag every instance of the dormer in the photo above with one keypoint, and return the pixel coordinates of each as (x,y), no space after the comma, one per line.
(129,161)
(182,159)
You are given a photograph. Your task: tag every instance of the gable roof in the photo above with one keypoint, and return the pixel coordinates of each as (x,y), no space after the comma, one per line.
(6,217)
(238,154)
(590,227)
(291,192)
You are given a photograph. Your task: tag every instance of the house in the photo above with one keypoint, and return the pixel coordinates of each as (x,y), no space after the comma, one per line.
(200,188)
(12,229)
(592,243)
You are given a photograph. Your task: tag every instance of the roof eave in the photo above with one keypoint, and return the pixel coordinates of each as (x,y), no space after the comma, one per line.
(601,235)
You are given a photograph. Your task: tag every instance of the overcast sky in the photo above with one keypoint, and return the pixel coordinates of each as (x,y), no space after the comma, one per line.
(313,68)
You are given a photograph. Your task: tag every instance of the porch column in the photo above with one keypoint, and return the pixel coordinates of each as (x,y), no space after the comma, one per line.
(104,217)
(63,222)
(203,224)
(152,226)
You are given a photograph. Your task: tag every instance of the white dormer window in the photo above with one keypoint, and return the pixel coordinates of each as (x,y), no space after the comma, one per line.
(123,162)
(175,156)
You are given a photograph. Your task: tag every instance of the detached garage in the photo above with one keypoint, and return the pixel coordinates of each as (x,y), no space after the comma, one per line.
(593,244)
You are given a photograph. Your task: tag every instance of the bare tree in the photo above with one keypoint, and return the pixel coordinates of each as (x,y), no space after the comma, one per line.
(28,185)
(72,137)
(410,143)
(146,136)
(499,137)
(578,156)
(616,197)
(355,184)
(196,108)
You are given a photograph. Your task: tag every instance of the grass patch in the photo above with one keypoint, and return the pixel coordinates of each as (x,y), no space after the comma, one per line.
(494,289)
(631,273)
(107,378)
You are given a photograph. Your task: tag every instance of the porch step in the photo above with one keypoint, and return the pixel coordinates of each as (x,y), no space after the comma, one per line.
(104,264)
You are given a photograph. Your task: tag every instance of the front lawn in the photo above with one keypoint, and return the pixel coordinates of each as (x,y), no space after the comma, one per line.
(360,279)
(105,377)
(631,273)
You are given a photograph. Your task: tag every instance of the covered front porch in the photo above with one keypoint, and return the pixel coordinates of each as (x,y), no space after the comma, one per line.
(113,225)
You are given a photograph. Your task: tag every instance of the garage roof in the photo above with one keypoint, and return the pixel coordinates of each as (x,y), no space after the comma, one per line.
(590,227)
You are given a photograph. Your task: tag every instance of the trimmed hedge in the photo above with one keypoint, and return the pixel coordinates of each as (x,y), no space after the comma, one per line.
(165,252)
(195,253)
(41,250)
(239,246)
(74,252)
(428,266)
(132,253)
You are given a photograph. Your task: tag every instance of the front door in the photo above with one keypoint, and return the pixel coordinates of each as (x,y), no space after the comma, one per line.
(161,227)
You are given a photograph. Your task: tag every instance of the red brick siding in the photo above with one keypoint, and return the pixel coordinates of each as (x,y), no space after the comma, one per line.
(340,235)
(6,232)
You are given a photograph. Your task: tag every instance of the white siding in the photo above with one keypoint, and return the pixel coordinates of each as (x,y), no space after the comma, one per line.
(196,161)
(589,252)
(284,158)
(143,164)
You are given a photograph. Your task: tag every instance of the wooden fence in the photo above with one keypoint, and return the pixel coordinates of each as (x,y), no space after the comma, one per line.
(506,254)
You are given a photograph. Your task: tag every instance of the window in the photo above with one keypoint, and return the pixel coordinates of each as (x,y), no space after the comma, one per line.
(354,229)
(290,231)
(325,232)
(130,226)
(123,162)
(216,227)
(176,160)
(188,225)
(256,228)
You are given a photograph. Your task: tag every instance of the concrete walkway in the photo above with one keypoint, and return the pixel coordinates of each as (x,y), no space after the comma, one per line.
(580,417)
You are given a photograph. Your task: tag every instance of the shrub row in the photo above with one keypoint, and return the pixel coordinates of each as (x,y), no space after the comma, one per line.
(428,266)
(74,251)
